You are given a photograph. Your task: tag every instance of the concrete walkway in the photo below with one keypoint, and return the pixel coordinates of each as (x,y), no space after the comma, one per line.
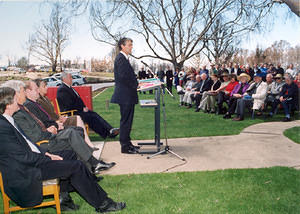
(260,145)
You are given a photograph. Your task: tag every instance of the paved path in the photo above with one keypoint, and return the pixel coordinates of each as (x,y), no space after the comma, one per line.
(97,86)
(260,145)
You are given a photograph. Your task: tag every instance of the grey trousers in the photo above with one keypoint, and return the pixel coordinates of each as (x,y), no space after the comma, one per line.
(71,138)
(241,106)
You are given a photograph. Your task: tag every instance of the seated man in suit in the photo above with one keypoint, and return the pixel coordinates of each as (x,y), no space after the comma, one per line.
(67,139)
(69,99)
(25,165)
(47,105)
(204,85)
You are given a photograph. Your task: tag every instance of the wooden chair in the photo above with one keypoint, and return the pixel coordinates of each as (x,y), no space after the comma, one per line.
(68,113)
(50,187)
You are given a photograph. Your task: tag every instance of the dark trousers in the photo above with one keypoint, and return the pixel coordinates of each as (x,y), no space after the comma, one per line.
(127,113)
(242,104)
(74,174)
(96,122)
(169,86)
(287,106)
(232,105)
(71,138)
(196,98)
(222,97)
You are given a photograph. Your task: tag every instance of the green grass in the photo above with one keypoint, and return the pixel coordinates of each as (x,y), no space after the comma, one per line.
(181,122)
(293,134)
(268,190)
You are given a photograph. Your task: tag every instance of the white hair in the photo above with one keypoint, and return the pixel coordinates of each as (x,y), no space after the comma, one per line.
(14,84)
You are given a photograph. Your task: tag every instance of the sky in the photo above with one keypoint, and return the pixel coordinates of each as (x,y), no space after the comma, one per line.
(18,19)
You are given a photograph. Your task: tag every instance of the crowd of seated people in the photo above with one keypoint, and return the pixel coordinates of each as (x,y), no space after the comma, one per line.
(232,89)
(67,155)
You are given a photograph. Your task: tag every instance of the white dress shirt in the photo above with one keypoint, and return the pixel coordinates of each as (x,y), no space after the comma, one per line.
(30,144)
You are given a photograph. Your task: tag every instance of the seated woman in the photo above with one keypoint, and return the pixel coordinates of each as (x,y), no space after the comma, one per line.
(228,84)
(274,91)
(237,93)
(209,97)
(76,120)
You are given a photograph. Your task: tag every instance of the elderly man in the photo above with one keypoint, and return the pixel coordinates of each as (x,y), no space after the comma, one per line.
(204,85)
(69,99)
(67,139)
(254,96)
(189,91)
(25,165)
(288,97)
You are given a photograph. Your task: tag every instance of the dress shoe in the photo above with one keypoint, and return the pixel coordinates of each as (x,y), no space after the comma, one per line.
(114,132)
(237,119)
(134,147)
(110,206)
(67,203)
(111,164)
(227,116)
(286,119)
(102,166)
(129,151)
(197,110)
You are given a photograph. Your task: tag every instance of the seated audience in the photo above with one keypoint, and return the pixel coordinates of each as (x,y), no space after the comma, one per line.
(288,98)
(208,100)
(187,95)
(237,93)
(274,90)
(253,97)
(25,165)
(224,92)
(290,70)
(47,105)
(186,89)
(67,139)
(200,88)
(69,99)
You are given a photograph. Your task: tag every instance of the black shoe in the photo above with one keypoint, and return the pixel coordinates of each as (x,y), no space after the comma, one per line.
(67,203)
(114,132)
(110,206)
(134,147)
(102,166)
(130,151)
(286,119)
(227,116)
(197,110)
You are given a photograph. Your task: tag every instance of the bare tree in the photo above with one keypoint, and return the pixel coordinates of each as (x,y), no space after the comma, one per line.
(174,30)
(222,43)
(50,39)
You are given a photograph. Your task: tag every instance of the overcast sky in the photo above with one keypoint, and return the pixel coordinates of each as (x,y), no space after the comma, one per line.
(19,18)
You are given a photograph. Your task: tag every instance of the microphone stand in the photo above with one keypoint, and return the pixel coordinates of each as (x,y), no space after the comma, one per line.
(167,147)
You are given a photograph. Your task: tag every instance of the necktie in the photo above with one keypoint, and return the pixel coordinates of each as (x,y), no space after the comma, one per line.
(42,125)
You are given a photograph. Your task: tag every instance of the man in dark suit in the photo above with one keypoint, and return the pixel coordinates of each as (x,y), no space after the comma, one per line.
(25,165)
(125,94)
(67,139)
(69,99)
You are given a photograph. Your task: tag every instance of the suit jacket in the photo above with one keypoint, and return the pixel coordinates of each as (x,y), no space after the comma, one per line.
(206,85)
(125,82)
(20,167)
(48,106)
(40,114)
(30,127)
(68,99)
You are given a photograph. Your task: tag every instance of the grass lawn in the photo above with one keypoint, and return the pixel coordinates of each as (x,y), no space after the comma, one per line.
(181,122)
(293,134)
(268,190)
